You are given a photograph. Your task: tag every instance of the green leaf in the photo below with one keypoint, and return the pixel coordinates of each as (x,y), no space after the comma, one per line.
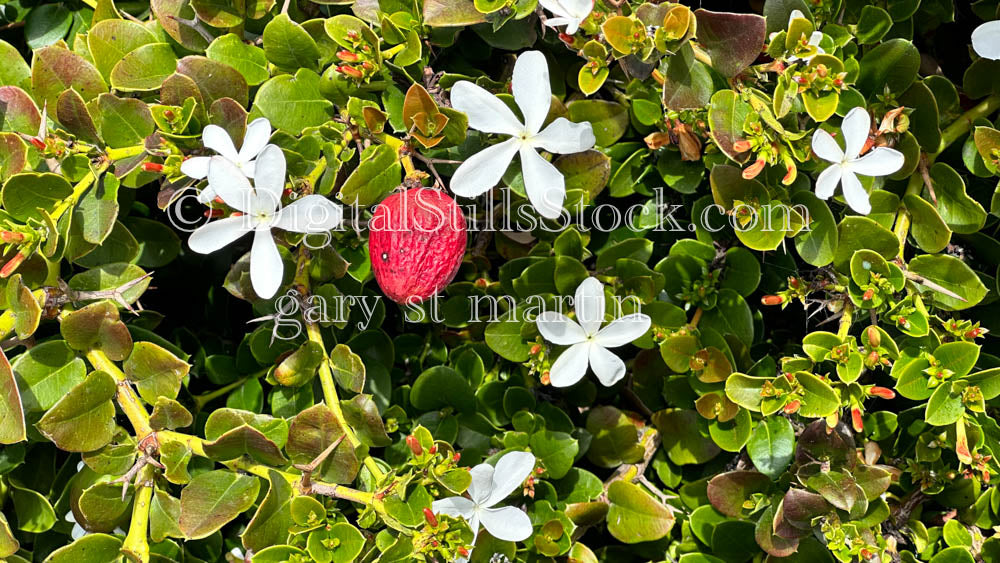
(292,103)
(818,399)
(214,498)
(817,245)
(110,40)
(556,451)
(155,371)
(310,433)
(245,440)
(25,193)
(635,516)
(442,386)
(856,233)
(46,373)
(12,427)
(123,122)
(249,60)
(91,548)
(892,64)
(376,175)
(685,437)
(873,24)
(288,46)
(772,446)
(944,407)
(687,82)
(952,274)
(83,419)
(929,230)
(19,112)
(145,68)
(219,13)
(55,69)
(726,115)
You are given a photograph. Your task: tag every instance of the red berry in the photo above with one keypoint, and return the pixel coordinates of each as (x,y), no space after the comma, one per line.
(416,243)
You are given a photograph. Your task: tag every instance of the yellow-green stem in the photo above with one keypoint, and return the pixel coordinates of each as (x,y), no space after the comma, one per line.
(78,190)
(127,399)
(201,400)
(136,546)
(125,152)
(845,320)
(330,396)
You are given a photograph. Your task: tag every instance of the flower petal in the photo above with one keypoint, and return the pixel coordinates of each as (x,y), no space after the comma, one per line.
(827,182)
(310,214)
(481,485)
(826,147)
(881,161)
(458,507)
(531,88)
(986,40)
(856,126)
(256,138)
(217,234)
(230,184)
(486,112)
(623,330)
(855,194)
(217,139)
(588,302)
(608,367)
(543,182)
(570,366)
(507,523)
(511,470)
(266,268)
(559,329)
(483,170)
(563,136)
(269,178)
(196,167)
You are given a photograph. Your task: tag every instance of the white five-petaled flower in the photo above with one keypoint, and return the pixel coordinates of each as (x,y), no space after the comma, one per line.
(571,13)
(260,211)
(544,184)
(881,161)
(243,160)
(588,342)
(489,486)
(814,39)
(986,40)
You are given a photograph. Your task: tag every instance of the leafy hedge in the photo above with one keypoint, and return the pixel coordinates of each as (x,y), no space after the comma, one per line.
(778,351)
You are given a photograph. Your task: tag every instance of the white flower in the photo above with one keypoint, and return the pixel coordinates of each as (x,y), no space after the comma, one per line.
(881,161)
(986,40)
(571,13)
(489,486)
(77,532)
(260,208)
(217,139)
(588,342)
(544,184)
(814,39)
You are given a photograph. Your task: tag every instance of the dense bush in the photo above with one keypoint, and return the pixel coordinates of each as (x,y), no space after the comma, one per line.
(527,281)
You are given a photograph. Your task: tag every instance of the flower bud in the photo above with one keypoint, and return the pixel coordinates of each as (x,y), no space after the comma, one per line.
(430,517)
(152,167)
(38,143)
(12,264)
(350,71)
(874,337)
(741,145)
(772,300)
(869,293)
(347,56)
(856,421)
(433,450)
(792,407)
(414,445)
(883,392)
(11,237)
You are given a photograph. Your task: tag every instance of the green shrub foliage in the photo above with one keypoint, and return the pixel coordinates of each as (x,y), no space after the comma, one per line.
(724,290)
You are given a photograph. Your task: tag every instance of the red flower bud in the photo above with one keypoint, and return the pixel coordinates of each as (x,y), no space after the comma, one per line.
(566,38)
(456,457)
(430,517)
(350,71)
(414,445)
(462,551)
(39,144)
(792,407)
(752,171)
(975,333)
(433,449)
(869,293)
(546,379)
(11,236)
(152,167)
(12,264)
(883,392)
(535,350)
(347,56)
(856,420)
(213,213)
(741,145)
(772,300)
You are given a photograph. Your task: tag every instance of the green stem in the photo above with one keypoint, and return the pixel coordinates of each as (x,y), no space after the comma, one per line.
(201,400)
(845,320)
(125,152)
(330,396)
(78,190)
(136,545)
(130,403)
(958,129)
